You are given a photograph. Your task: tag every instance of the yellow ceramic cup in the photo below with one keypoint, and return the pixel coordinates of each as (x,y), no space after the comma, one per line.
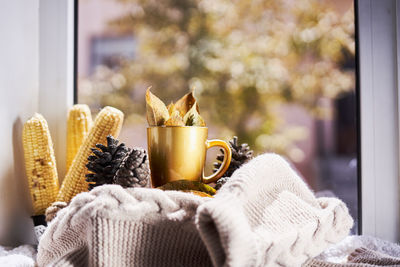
(179,153)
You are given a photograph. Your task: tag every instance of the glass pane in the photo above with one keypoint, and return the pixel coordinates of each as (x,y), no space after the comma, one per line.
(280,75)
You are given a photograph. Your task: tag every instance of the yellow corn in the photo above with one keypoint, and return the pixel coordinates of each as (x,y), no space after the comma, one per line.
(108,122)
(40,163)
(79,123)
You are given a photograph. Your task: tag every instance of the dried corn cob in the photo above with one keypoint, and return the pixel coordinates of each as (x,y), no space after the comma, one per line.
(40,163)
(79,123)
(107,122)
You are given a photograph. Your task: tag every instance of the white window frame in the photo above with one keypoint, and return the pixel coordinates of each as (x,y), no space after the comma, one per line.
(379,114)
(56,70)
(379,58)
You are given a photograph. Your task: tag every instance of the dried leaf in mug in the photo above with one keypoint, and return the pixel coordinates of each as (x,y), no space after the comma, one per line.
(171,108)
(185,103)
(193,118)
(156,111)
(175,119)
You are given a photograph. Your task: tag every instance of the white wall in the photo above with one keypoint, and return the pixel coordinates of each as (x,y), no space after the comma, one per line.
(36,75)
(19,83)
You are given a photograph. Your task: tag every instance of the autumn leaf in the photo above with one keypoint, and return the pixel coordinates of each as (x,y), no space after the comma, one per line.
(193,118)
(171,108)
(175,119)
(156,111)
(185,103)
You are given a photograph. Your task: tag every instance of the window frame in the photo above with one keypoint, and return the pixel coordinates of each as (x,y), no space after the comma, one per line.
(378,58)
(56,70)
(378,83)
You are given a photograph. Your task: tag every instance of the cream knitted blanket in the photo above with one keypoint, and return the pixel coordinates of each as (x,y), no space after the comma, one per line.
(264,216)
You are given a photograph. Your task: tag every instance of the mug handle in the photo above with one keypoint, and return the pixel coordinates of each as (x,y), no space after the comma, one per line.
(225,163)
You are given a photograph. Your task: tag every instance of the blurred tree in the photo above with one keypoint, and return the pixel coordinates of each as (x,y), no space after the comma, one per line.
(244,58)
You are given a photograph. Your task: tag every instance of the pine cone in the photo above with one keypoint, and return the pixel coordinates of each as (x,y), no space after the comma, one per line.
(134,170)
(241,153)
(117,164)
(105,162)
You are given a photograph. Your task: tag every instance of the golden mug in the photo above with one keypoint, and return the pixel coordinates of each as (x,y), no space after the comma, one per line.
(179,153)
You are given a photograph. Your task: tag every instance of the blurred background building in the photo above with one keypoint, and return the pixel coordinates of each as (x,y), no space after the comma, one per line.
(278,74)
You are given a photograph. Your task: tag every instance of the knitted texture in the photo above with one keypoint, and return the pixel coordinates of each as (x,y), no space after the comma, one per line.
(364,255)
(51,211)
(112,226)
(265,215)
(329,258)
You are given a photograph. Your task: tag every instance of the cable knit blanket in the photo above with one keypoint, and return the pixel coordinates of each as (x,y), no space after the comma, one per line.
(384,254)
(264,216)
